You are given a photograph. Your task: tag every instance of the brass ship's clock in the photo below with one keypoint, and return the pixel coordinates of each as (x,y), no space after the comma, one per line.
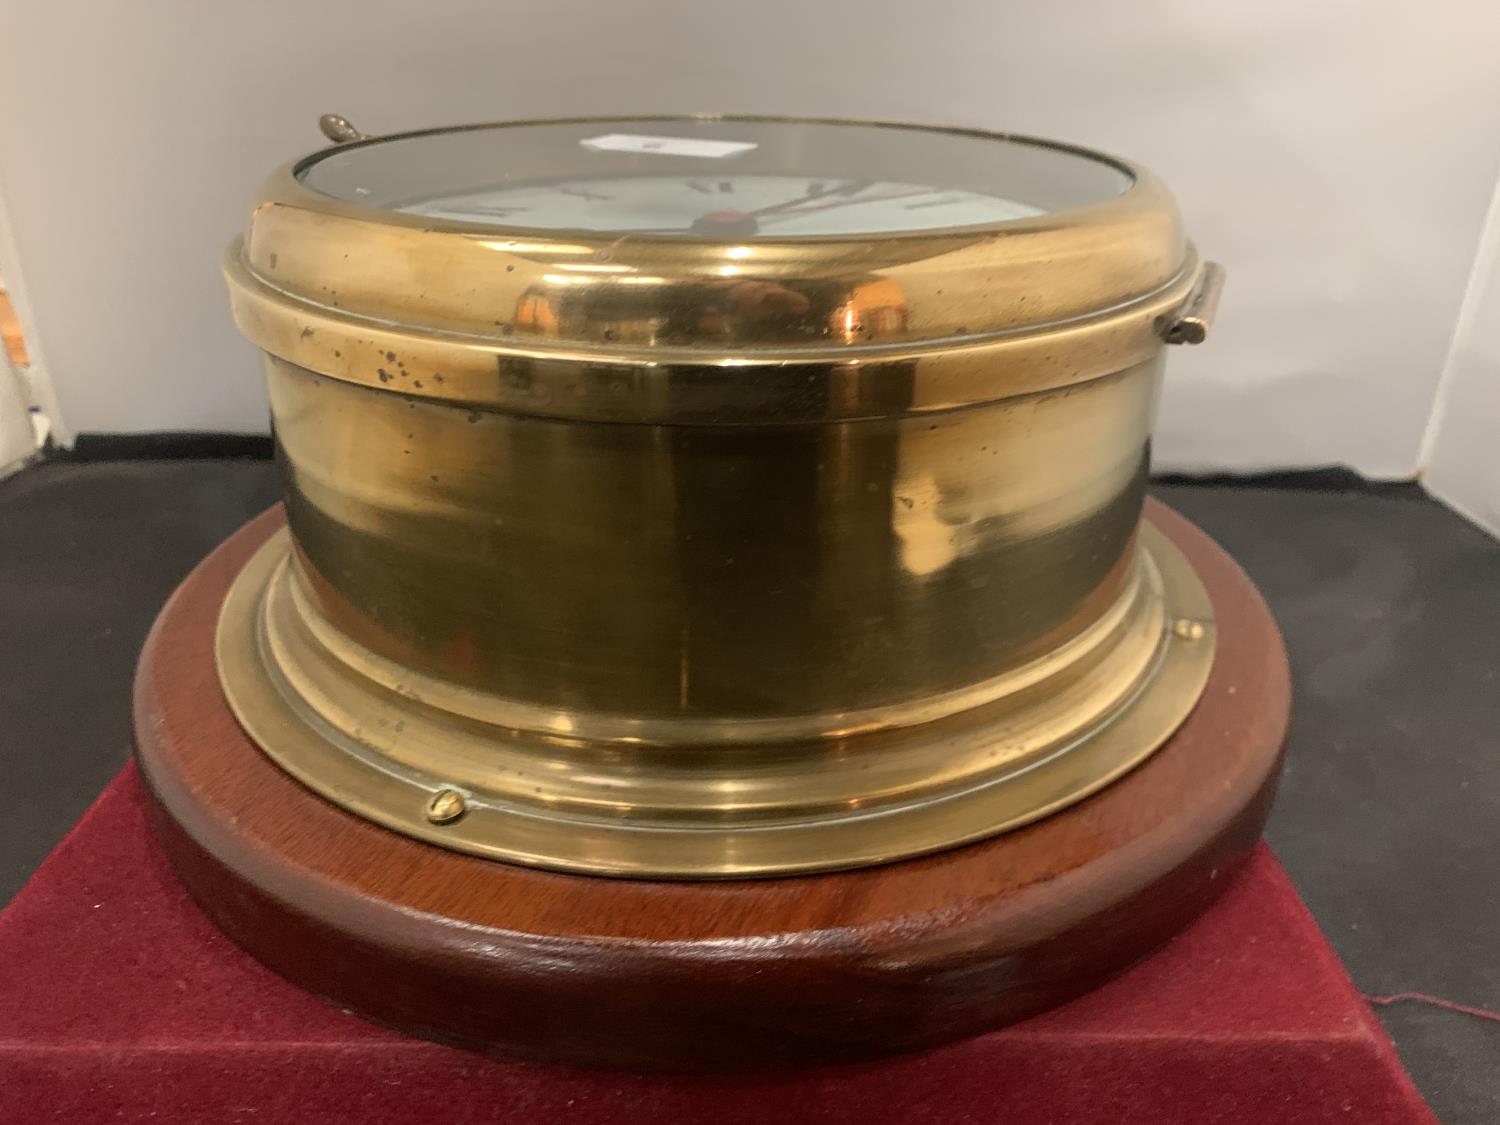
(710,503)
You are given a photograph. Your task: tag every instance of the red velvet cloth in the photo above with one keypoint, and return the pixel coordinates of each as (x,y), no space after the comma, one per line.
(121,1002)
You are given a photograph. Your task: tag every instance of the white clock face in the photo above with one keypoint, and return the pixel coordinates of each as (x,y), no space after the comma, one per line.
(729,178)
(727,203)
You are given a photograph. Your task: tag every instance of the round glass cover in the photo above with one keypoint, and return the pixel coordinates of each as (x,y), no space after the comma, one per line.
(731,177)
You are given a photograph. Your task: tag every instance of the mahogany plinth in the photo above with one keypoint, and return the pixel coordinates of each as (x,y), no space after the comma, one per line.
(653,975)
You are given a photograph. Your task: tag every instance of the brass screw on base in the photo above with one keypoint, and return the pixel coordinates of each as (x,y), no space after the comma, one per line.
(446,806)
(1188,629)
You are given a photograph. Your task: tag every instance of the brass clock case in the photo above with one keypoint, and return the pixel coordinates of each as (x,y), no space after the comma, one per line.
(703,554)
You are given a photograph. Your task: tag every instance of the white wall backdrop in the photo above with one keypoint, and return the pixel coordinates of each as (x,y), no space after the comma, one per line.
(1338,157)
(1461,457)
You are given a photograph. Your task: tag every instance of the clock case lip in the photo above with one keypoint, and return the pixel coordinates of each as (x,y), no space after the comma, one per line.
(674,328)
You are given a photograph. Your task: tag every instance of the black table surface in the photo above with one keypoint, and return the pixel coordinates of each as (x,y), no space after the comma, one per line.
(1388,818)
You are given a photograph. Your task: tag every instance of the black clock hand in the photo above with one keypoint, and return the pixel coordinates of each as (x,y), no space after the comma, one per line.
(743,224)
(850,188)
(792,212)
(724,221)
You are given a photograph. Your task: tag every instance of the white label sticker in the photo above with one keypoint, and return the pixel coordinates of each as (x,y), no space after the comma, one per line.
(666,146)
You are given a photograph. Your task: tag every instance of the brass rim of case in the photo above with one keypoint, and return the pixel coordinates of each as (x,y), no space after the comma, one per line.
(1050,301)
(727,798)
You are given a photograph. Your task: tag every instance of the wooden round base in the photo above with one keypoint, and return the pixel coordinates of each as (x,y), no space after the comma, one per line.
(790,971)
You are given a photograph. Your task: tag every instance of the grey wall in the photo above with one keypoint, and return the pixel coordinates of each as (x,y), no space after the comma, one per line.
(1336,156)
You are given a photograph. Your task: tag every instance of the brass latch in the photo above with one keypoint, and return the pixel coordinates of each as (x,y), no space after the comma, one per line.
(340,130)
(1191,324)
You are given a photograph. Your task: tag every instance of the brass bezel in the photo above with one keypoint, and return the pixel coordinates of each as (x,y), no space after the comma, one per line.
(1054,300)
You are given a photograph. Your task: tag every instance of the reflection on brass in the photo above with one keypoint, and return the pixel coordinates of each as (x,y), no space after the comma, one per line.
(602,558)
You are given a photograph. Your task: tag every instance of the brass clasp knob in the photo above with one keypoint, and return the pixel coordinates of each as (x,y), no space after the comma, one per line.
(339,130)
(1193,320)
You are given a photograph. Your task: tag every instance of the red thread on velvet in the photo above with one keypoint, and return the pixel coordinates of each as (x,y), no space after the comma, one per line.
(1434,1001)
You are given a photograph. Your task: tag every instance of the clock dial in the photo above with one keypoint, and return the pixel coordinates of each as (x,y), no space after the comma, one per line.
(735,178)
(731,203)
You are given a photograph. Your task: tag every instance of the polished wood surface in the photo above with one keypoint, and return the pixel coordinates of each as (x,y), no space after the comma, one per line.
(706,975)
